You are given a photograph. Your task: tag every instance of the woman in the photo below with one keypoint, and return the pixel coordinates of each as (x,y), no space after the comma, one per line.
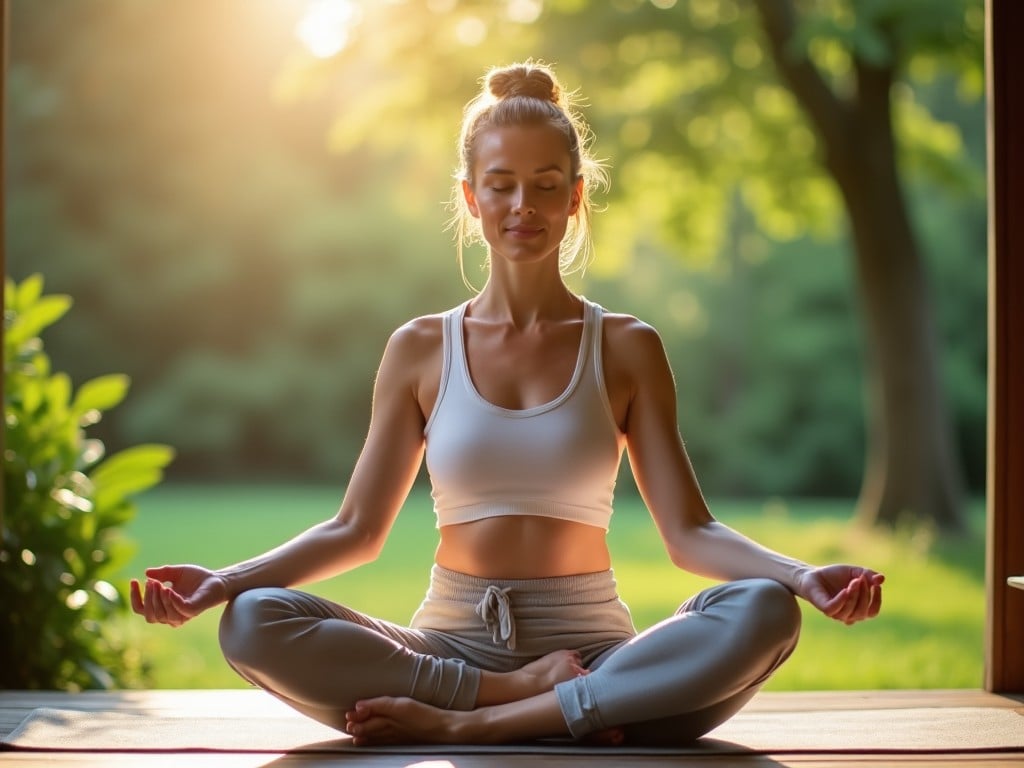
(522,400)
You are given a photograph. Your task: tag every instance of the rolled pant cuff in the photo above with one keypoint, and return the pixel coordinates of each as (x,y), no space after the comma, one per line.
(579,706)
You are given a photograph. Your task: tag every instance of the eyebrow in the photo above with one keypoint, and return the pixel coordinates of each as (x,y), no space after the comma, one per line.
(544,169)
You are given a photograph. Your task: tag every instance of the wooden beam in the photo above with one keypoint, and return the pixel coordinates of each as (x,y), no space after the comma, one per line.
(1004,629)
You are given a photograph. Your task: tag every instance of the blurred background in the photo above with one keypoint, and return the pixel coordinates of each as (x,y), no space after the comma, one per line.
(241,224)
(245,197)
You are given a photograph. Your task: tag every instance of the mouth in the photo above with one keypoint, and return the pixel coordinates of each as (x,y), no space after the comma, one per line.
(523,231)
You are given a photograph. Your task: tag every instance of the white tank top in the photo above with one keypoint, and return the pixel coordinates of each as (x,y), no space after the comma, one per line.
(556,460)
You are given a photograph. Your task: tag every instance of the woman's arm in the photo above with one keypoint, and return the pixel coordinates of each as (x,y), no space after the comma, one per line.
(380,482)
(642,391)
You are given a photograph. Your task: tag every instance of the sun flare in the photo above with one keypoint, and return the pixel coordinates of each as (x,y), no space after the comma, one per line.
(324,27)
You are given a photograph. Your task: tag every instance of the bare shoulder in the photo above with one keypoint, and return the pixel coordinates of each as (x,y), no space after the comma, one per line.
(635,366)
(417,338)
(413,360)
(631,342)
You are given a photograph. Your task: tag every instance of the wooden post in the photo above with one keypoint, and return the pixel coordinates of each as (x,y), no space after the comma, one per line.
(4,25)
(1004,627)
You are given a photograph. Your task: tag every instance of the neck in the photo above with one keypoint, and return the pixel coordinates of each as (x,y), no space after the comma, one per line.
(524,295)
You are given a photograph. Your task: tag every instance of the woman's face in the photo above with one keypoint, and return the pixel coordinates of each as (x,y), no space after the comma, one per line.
(522,191)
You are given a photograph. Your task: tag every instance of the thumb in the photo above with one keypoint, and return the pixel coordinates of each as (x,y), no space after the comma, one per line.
(164,572)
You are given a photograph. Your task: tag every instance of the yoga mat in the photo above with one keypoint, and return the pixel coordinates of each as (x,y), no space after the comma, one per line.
(922,730)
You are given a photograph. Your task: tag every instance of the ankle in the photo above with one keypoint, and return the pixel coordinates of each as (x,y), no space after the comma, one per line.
(469,726)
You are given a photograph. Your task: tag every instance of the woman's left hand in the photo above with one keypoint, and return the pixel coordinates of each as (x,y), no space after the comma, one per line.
(846,593)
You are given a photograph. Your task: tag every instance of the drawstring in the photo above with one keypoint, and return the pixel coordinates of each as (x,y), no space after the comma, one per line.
(494,609)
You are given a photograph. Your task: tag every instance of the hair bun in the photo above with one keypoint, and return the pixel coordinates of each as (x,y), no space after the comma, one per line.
(530,80)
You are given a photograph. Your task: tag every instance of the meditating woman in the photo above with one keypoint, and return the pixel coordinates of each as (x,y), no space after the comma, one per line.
(522,400)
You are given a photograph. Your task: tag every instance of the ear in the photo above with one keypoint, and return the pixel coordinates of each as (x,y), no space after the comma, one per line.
(577,197)
(470,197)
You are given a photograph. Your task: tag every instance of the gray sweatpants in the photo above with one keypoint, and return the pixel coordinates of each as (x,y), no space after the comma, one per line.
(669,684)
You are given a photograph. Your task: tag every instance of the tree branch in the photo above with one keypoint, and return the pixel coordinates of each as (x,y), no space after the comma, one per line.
(827,111)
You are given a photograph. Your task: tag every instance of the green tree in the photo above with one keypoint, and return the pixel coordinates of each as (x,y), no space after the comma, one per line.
(692,113)
(911,466)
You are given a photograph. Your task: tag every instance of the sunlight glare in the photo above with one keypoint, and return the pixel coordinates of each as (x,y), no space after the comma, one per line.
(441,6)
(324,27)
(471,31)
(524,11)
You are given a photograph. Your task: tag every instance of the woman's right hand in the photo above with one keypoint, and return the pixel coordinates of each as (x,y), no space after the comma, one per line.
(176,593)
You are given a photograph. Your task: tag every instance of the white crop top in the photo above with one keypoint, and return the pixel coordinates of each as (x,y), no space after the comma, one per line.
(556,460)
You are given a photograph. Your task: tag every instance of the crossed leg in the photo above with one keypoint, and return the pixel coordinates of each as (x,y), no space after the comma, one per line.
(673,683)
(320,658)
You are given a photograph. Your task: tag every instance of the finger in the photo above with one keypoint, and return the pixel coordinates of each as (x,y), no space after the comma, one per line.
(156,604)
(841,610)
(861,602)
(135,593)
(154,598)
(846,602)
(147,602)
(837,604)
(171,614)
(876,601)
(866,601)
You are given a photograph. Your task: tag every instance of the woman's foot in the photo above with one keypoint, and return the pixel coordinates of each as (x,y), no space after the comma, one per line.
(539,676)
(548,671)
(387,720)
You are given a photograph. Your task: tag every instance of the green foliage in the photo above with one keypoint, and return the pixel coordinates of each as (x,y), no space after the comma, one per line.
(683,98)
(766,359)
(64,506)
(246,277)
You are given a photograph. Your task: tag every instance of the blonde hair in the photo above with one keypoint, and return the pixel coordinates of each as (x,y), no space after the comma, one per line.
(528,94)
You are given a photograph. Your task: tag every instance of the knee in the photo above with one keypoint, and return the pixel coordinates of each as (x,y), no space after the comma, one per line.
(242,621)
(775,611)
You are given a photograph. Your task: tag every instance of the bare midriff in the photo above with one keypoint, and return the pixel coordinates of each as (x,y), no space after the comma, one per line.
(523,547)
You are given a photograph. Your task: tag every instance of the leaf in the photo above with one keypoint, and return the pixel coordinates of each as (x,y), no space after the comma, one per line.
(28,292)
(58,394)
(101,393)
(31,396)
(31,321)
(111,498)
(128,472)
(130,460)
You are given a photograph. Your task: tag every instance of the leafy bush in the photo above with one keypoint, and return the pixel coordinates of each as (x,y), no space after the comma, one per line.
(63,506)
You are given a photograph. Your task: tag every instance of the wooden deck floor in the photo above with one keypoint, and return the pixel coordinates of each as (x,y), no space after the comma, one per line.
(15,705)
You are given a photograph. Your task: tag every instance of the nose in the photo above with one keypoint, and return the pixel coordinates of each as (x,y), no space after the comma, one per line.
(522,203)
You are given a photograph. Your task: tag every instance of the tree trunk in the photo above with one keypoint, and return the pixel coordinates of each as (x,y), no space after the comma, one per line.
(911,472)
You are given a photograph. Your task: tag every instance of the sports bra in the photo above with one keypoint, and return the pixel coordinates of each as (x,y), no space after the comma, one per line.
(559,459)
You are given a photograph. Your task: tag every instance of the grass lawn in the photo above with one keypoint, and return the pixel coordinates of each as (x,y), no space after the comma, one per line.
(929,634)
